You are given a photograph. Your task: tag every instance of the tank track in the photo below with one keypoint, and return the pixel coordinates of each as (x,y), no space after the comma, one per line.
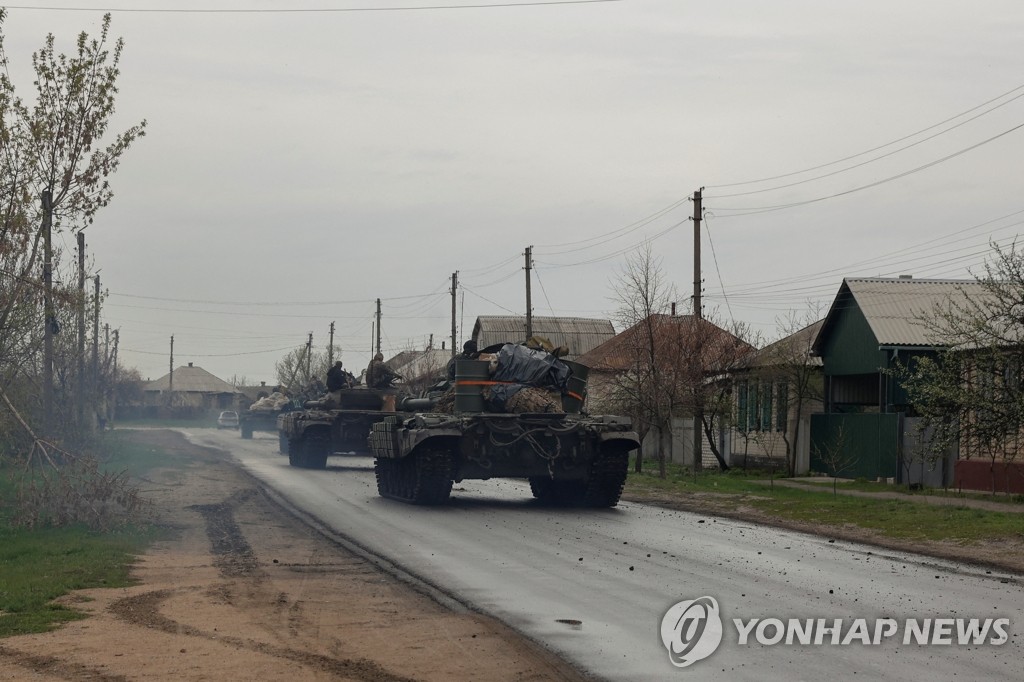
(309,452)
(422,477)
(607,477)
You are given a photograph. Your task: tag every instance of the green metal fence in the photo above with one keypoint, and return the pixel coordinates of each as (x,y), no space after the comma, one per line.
(855,445)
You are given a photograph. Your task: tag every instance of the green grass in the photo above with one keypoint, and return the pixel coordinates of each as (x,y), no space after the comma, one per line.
(38,565)
(120,451)
(876,487)
(903,518)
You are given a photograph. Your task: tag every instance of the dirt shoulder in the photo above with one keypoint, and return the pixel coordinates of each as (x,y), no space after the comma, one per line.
(1003,556)
(244,591)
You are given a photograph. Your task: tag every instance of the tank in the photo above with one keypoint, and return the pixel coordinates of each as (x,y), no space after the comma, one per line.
(339,422)
(569,458)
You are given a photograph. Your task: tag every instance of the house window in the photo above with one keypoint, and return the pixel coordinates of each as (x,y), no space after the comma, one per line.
(753,420)
(741,405)
(782,406)
(766,406)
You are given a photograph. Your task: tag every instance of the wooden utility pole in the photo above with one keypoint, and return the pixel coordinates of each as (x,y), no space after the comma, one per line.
(697,310)
(330,348)
(96,343)
(698,413)
(455,288)
(378,325)
(113,390)
(529,300)
(170,380)
(80,397)
(309,357)
(49,320)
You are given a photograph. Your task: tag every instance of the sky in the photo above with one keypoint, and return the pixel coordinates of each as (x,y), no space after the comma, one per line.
(299,165)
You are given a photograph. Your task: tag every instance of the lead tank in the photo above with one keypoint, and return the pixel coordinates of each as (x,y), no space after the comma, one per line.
(569,457)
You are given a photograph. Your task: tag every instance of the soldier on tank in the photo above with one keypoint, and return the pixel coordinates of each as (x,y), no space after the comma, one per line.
(468,353)
(379,375)
(337,378)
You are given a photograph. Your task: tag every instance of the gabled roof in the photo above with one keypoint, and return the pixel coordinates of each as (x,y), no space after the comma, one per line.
(189,379)
(417,364)
(619,353)
(578,334)
(789,347)
(892,307)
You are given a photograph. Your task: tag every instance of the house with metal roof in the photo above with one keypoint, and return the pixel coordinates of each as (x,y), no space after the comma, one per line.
(192,387)
(578,334)
(873,325)
(677,341)
(775,392)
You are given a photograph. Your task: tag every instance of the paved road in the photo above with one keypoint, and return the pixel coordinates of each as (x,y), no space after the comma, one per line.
(594,585)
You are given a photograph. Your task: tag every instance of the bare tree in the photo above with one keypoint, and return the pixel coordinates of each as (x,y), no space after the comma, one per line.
(643,298)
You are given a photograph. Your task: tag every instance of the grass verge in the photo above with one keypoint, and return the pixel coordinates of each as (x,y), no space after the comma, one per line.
(905,518)
(39,565)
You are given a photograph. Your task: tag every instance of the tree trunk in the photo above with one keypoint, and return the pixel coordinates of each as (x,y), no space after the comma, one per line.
(714,446)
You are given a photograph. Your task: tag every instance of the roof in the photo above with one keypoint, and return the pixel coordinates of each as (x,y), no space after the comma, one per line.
(578,334)
(619,353)
(893,307)
(416,364)
(789,347)
(189,379)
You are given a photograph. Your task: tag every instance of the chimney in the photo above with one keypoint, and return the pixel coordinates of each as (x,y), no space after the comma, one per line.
(442,345)
(190,364)
(673,308)
(906,277)
(263,383)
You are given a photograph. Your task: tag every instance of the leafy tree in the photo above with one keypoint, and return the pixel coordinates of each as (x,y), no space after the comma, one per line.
(971,394)
(55,145)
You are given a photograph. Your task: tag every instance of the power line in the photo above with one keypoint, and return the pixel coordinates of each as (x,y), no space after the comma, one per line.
(875,149)
(766,209)
(312,10)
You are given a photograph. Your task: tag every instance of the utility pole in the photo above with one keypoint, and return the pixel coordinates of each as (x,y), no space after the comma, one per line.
(330,348)
(170,381)
(698,413)
(113,390)
(697,311)
(48,316)
(455,288)
(529,300)
(309,357)
(96,343)
(80,397)
(378,325)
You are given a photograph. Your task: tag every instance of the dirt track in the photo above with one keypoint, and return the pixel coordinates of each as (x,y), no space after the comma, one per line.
(245,592)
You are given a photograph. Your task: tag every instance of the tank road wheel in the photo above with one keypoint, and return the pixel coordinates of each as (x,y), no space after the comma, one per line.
(561,493)
(607,477)
(317,447)
(423,477)
(296,452)
(282,443)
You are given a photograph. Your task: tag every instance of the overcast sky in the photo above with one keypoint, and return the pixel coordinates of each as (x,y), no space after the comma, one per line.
(299,165)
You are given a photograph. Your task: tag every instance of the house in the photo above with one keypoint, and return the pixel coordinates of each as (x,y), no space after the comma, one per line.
(420,369)
(866,426)
(578,334)
(774,394)
(687,352)
(191,387)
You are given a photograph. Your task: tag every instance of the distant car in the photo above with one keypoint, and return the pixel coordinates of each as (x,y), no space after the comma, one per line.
(228,419)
